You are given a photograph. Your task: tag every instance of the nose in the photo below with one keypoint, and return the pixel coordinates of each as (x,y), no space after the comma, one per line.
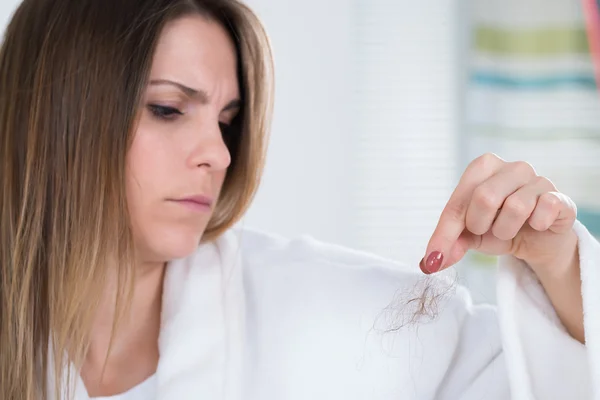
(209,149)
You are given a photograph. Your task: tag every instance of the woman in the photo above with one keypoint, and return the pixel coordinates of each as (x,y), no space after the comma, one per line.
(133,135)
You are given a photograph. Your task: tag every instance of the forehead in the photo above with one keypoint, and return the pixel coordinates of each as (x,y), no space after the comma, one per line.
(197,51)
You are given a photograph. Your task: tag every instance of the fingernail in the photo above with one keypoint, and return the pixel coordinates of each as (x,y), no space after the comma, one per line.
(434,262)
(422,266)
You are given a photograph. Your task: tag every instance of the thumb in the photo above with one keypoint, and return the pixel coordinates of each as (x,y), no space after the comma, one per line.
(465,242)
(486,244)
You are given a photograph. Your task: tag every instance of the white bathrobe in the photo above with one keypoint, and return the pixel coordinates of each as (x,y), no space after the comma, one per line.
(258,317)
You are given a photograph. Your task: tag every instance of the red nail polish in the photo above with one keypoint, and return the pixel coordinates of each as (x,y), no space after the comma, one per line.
(434,262)
(422,266)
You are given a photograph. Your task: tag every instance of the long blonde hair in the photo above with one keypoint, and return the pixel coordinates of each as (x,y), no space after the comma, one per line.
(72,73)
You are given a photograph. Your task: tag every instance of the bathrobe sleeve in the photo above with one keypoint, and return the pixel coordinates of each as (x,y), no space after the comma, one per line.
(538,358)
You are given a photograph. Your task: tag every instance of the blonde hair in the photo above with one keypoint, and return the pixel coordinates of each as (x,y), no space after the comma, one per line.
(72,73)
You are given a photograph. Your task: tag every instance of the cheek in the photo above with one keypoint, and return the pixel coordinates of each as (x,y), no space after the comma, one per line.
(219,178)
(148,170)
(162,231)
(147,164)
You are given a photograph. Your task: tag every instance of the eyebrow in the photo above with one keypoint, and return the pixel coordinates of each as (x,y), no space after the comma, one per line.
(197,94)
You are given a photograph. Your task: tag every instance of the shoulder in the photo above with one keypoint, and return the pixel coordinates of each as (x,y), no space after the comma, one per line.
(307,267)
(303,268)
(266,250)
(314,308)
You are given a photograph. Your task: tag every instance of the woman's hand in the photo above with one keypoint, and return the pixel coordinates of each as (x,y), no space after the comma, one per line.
(503,208)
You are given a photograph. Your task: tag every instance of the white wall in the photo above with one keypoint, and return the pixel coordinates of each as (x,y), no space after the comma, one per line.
(7,7)
(306,187)
(365,147)
(407,144)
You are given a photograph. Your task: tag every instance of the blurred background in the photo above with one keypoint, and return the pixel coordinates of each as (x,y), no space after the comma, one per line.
(381,104)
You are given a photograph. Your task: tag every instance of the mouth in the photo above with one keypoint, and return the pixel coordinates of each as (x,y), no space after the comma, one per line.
(197,203)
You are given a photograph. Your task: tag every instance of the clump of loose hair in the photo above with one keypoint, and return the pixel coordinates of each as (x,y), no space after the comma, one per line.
(417,305)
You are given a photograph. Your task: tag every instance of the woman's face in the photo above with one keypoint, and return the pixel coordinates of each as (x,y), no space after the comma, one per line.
(178,159)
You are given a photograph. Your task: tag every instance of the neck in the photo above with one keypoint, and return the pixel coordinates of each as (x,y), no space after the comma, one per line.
(121,359)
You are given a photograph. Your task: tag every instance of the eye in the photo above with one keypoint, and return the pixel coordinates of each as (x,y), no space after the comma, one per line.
(227,130)
(164,112)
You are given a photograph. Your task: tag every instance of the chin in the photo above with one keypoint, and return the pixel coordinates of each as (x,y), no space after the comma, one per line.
(175,245)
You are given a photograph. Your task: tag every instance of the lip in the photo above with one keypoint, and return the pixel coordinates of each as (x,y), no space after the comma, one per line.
(196,203)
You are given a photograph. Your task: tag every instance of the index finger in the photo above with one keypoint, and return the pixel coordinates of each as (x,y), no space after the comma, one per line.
(452,219)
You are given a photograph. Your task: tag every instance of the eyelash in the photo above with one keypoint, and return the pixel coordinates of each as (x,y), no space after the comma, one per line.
(164,113)
(171,113)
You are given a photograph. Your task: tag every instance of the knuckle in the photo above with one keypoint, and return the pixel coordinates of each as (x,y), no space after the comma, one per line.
(519,207)
(523,168)
(486,198)
(538,224)
(544,182)
(456,210)
(476,225)
(487,162)
(551,200)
